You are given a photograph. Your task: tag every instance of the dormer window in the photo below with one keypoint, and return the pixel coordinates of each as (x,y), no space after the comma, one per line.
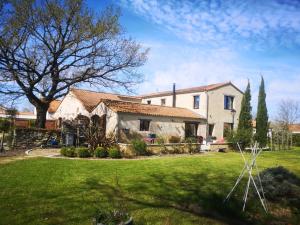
(196,101)
(228,102)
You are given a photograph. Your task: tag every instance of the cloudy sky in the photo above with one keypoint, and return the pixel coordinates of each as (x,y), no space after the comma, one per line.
(201,42)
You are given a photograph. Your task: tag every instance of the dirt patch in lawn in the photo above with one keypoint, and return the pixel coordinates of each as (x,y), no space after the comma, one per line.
(45,152)
(8,159)
(13,155)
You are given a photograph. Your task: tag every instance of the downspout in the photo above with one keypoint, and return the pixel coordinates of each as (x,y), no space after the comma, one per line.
(207,107)
(174,95)
(117,128)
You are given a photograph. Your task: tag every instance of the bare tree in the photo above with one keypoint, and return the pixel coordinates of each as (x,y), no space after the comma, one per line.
(48,46)
(288,112)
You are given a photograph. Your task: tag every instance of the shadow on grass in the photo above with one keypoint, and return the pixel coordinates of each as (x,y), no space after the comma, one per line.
(193,193)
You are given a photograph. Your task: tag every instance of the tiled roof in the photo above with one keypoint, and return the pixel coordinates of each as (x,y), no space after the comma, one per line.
(294,128)
(26,113)
(190,90)
(151,110)
(90,99)
(54,106)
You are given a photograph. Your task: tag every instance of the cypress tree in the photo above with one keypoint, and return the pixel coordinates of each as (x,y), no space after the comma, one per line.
(262,125)
(245,130)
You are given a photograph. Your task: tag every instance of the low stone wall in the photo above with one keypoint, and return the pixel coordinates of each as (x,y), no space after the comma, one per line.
(216,147)
(158,149)
(26,138)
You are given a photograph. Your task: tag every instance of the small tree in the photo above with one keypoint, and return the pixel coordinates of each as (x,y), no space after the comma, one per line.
(95,132)
(288,114)
(245,131)
(262,125)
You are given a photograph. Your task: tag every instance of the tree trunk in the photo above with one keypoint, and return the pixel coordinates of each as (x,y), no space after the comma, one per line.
(2,141)
(41,113)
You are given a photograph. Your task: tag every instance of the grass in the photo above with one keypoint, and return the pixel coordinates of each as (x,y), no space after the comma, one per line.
(174,190)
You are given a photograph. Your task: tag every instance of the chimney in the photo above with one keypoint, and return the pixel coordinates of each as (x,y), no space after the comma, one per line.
(174,95)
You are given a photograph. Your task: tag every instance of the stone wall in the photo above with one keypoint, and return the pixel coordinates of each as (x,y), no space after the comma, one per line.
(26,138)
(158,149)
(216,147)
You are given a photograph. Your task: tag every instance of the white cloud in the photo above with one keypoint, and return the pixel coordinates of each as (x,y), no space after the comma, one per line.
(218,21)
(191,66)
(249,26)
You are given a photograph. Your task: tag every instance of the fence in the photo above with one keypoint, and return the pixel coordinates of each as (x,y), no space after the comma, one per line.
(24,123)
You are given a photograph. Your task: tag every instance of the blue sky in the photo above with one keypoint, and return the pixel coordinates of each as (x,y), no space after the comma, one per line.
(194,43)
(200,42)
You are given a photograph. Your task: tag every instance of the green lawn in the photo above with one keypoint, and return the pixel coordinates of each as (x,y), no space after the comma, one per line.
(169,190)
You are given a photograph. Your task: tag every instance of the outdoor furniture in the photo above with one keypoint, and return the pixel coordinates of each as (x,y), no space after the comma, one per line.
(150,138)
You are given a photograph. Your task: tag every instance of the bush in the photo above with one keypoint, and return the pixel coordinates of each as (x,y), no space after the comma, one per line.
(174,139)
(242,137)
(160,140)
(101,152)
(139,147)
(5,124)
(114,152)
(296,140)
(191,140)
(68,151)
(83,152)
(281,185)
(63,151)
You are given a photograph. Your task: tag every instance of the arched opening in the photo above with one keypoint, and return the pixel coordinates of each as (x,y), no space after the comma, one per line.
(95,119)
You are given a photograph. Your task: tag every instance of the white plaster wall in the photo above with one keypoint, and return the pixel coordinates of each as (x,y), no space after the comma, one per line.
(111,118)
(217,115)
(70,107)
(157,100)
(187,101)
(162,126)
(183,101)
(50,116)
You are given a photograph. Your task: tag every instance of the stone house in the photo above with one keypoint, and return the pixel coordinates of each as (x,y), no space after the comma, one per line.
(125,115)
(219,103)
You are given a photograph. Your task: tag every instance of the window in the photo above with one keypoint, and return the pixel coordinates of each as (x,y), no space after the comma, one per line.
(228,102)
(149,102)
(196,101)
(163,101)
(144,125)
(211,129)
(228,127)
(191,129)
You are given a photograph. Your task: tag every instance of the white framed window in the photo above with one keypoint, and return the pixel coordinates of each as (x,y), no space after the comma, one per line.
(196,101)
(228,102)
